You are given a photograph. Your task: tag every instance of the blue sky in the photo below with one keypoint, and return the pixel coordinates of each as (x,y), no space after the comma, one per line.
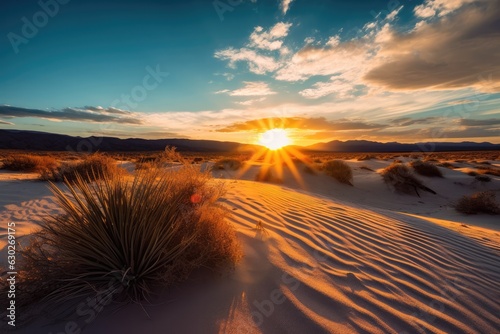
(227,70)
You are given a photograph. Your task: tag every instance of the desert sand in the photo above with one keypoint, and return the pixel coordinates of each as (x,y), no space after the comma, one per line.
(330,258)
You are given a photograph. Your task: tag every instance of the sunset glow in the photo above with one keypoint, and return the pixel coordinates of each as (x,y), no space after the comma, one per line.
(274,139)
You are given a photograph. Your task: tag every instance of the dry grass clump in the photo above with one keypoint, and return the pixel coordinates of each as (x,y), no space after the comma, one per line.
(447,165)
(426,168)
(401,178)
(339,170)
(29,163)
(227,164)
(366,157)
(127,236)
(489,170)
(483,178)
(309,169)
(93,167)
(481,202)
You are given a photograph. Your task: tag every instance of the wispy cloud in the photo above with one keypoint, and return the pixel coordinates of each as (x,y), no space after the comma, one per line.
(259,88)
(257,63)
(432,8)
(456,51)
(285,6)
(6,123)
(269,40)
(431,56)
(86,114)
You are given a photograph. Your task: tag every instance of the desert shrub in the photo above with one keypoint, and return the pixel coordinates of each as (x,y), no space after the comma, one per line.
(265,174)
(481,202)
(366,157)
(489,170)
(483,178)
(339,170)
(426,169)
(402,179)
(126,235)
(93,167)
(447,165)
(29,163)
(472,173)
(308,169)
(227,164)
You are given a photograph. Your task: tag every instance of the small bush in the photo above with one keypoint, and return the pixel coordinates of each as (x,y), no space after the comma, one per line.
(93,167)
(426,169)
(339,170)
(481,202)
(402,179)
(29,163)
(309,170)
(227,164)
(483,178)
(490,171)
(126,236)
(447,165)
(366,157)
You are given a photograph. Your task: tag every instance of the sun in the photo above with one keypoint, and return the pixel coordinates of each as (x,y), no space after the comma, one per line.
(274,139)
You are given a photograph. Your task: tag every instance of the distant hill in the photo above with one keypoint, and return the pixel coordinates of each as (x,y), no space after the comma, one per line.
(371,146)
(43,141)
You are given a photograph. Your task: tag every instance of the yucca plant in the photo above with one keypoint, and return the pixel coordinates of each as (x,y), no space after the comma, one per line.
(128,235)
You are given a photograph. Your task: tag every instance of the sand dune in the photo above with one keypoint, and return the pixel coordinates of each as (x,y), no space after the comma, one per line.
(331,258)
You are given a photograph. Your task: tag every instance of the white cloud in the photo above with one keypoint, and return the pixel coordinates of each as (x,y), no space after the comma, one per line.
(370,25)
(258,88)
(336,85)
(257,63)
(431,8)
(392,15)
(250,102)
(285,5)
(334,58)
(269,40)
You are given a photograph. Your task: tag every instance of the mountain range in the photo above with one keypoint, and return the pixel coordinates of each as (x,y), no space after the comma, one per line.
(43,141)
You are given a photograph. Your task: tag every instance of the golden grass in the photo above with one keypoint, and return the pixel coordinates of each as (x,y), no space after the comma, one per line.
(92,167)
(29,163)
(127,235)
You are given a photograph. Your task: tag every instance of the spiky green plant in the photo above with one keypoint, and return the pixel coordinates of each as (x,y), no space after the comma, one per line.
(126,235)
